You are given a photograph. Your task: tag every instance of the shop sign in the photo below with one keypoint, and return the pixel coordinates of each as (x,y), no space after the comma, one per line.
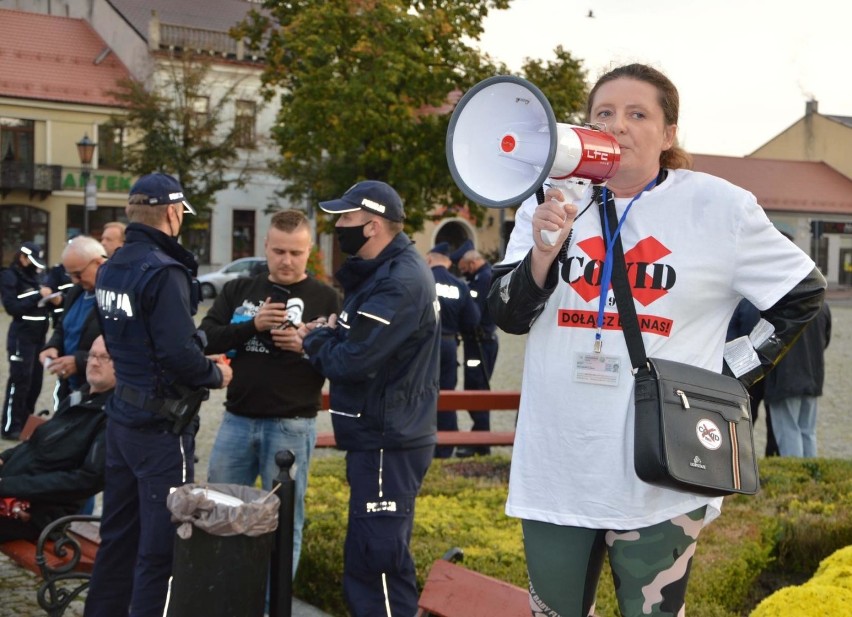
(103,181)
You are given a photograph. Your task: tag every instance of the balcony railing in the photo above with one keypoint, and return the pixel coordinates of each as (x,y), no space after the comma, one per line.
(29,177)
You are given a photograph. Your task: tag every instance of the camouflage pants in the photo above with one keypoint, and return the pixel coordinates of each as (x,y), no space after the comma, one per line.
(650,566)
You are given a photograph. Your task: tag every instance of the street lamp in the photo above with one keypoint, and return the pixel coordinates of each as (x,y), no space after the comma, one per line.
(86,150)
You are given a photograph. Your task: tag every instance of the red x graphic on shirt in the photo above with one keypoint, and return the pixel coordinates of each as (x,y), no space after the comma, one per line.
(643,274)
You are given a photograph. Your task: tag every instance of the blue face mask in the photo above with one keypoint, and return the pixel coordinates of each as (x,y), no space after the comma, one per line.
(351,239)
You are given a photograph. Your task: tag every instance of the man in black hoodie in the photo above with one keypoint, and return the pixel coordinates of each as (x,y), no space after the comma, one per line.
(62,464)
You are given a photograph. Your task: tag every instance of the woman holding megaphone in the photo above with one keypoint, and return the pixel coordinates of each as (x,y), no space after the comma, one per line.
(693,246)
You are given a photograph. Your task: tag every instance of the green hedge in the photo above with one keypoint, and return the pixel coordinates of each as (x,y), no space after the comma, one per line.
(801,515)
(829,592)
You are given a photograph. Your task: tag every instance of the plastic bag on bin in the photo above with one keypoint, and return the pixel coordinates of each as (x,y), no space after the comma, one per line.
(223,509)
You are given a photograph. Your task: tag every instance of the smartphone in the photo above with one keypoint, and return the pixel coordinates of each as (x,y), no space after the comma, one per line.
(280,294)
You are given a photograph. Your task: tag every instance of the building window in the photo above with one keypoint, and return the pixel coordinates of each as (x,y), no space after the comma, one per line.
(244,124)
(243,224)
(200,111)
(17,140)
(110,144)
(22,223)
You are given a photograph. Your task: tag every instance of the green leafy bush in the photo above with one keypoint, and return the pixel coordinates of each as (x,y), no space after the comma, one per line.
(801,515)
(827,593)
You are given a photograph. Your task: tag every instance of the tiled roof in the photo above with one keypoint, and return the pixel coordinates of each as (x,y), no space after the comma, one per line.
(784,186)
(44,57)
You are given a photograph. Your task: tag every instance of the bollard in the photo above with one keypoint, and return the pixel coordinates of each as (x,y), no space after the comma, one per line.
(281,568)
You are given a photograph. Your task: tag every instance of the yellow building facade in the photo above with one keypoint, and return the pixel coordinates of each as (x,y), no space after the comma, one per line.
(42,199)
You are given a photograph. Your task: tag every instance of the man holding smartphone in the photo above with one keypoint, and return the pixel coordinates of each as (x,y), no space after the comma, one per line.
(273,399)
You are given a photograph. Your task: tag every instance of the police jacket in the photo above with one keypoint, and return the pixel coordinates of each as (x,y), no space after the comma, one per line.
(145,305)
(480,285)
(382,358)
(91,330)
(63,461)
(459,313)
(20,291)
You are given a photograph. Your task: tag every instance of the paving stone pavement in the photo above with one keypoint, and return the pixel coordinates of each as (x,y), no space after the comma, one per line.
(834,425)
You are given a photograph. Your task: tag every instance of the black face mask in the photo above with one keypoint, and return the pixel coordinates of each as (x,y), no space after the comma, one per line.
(351,239)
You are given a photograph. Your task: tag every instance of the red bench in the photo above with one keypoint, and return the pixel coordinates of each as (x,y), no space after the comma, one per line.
(452,590)
(451,400)
(63,556)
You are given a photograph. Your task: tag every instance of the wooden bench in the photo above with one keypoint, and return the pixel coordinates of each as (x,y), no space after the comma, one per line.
(63,557)
(64,554)
(453,400)
(32,423)
(452,590)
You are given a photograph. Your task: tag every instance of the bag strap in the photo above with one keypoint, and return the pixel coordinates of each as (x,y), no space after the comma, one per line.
(621,288)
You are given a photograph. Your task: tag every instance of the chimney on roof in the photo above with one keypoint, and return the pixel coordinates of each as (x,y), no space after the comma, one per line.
(154,31)
(811,107)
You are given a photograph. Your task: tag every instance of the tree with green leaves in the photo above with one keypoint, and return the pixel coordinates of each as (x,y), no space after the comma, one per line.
(367,88)
(175,125)
(563,83)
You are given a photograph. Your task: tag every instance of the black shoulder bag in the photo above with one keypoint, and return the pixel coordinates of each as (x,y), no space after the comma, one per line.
(693,427)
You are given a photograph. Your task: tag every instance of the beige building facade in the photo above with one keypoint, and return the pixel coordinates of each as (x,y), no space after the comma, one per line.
(52,95)
(825,139)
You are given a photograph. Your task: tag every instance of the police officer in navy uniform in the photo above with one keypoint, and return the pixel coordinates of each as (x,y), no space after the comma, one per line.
(459,316)
(381,359)
(146,298)
(480,349)
(23,293)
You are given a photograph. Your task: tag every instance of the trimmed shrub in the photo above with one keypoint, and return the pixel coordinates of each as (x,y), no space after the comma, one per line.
(801,515)
(809,600)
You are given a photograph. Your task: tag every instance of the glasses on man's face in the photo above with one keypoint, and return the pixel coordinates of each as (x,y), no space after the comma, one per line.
(100,357)
(79,273)
(182,207)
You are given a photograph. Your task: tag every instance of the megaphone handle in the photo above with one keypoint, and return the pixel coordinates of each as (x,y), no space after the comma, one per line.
(550,237)
(572,189)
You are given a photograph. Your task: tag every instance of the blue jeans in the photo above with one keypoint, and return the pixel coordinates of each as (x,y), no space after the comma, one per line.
(246,447)
(794,425)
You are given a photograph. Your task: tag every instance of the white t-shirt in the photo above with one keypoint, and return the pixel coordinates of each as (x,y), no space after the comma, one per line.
(694,245)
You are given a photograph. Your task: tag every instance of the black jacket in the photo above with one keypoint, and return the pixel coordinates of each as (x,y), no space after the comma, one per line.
(802,371)
(382,358)
(62,463)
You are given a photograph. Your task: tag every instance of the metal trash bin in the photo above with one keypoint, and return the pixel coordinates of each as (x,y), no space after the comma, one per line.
(222,550)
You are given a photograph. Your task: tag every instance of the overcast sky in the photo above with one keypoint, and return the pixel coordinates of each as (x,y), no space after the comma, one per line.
(744,68)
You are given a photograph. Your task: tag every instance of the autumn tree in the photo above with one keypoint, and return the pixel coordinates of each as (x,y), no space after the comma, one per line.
(367,88)
(175,126)
(563,82)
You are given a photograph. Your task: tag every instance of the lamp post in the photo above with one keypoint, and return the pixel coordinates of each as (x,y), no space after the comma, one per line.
(86,150)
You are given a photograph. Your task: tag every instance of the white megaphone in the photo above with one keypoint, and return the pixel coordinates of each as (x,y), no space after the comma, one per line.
(503,142)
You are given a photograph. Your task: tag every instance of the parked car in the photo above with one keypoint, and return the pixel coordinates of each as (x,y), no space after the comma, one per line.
(212,282)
